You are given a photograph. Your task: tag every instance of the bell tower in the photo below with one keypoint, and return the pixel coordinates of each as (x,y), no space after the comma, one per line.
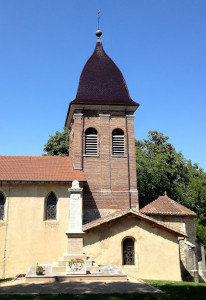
(102,144)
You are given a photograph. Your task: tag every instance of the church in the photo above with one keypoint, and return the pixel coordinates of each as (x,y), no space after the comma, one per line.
(151,240)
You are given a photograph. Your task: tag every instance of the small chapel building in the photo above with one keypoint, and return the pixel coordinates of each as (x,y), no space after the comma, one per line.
(152,240)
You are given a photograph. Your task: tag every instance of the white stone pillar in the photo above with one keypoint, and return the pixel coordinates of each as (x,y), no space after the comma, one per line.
(74,232)
(75,208)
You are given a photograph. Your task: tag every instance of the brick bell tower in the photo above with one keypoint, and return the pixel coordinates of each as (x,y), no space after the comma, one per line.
(101,124)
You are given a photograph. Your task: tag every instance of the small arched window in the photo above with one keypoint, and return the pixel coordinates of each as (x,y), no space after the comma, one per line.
(51,206)
(118,142)
(2,206)
(91,141)
(128,252)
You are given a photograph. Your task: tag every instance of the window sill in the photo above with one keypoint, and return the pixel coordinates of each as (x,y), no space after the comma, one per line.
(119,156)
(51,221)
(130,266)
(89,155)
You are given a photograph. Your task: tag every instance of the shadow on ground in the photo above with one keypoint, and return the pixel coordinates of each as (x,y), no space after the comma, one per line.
(76,287)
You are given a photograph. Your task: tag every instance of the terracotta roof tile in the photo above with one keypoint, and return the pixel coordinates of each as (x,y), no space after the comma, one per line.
(119,214)
(163,205)
(38,168)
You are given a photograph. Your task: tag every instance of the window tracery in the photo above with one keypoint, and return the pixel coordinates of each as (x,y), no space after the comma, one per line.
(51,207)
(128,252)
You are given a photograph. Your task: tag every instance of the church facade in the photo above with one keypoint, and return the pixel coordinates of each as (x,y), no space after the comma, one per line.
(153,240)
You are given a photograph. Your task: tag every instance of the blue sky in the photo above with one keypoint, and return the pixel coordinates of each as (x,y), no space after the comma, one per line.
(158,45)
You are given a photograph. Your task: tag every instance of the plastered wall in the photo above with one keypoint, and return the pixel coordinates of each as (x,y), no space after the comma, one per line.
(25,236)
(156,250)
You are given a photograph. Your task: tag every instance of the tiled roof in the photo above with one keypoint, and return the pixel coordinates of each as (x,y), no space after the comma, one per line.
(119,214)
(38,168)
(163,205)
(101,81)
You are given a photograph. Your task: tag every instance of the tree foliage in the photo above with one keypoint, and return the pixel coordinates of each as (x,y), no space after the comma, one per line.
(58,144)
(160,168)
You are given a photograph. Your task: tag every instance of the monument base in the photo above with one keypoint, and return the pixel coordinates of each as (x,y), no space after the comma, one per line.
(75,243)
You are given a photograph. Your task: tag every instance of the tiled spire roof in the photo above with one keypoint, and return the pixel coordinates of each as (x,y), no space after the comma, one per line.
(101,81)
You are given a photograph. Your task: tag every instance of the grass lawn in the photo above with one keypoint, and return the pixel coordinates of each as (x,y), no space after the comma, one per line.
(173,290)
(4,280)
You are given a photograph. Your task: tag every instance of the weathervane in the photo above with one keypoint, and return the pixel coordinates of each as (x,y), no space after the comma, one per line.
(98,32)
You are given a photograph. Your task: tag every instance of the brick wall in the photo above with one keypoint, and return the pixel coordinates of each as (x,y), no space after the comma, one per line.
(111,180)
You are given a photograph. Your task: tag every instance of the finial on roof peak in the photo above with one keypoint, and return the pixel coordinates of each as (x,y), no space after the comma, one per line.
(165,195)
(98,32)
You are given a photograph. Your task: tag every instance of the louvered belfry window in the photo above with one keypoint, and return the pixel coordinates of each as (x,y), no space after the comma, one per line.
(118,142)
(2,206)
(128,252)
(91,142)
(51,206)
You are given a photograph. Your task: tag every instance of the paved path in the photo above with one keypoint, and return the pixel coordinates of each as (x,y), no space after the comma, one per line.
(131,285)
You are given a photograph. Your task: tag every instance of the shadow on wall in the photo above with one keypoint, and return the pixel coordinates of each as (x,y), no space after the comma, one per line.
(122,225)
(90,210)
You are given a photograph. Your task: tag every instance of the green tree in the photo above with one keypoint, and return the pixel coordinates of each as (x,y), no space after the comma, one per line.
(58,144)
(160,168)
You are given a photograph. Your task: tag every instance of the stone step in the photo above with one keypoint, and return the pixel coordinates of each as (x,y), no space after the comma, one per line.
(56,269)
(68,257)
(62,263)
(89,262)
(93,269)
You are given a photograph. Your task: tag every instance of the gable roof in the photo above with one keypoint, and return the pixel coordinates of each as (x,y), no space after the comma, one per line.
(38,168)
(127,212)
(163,205)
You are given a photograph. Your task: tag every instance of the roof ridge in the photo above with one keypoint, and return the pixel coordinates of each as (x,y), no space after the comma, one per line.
(109,218)
(166,206)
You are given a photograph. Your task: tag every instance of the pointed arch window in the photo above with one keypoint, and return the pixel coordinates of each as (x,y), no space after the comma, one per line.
(91,141)
(118,142)
(2,206)
(51,206)
(128,252)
